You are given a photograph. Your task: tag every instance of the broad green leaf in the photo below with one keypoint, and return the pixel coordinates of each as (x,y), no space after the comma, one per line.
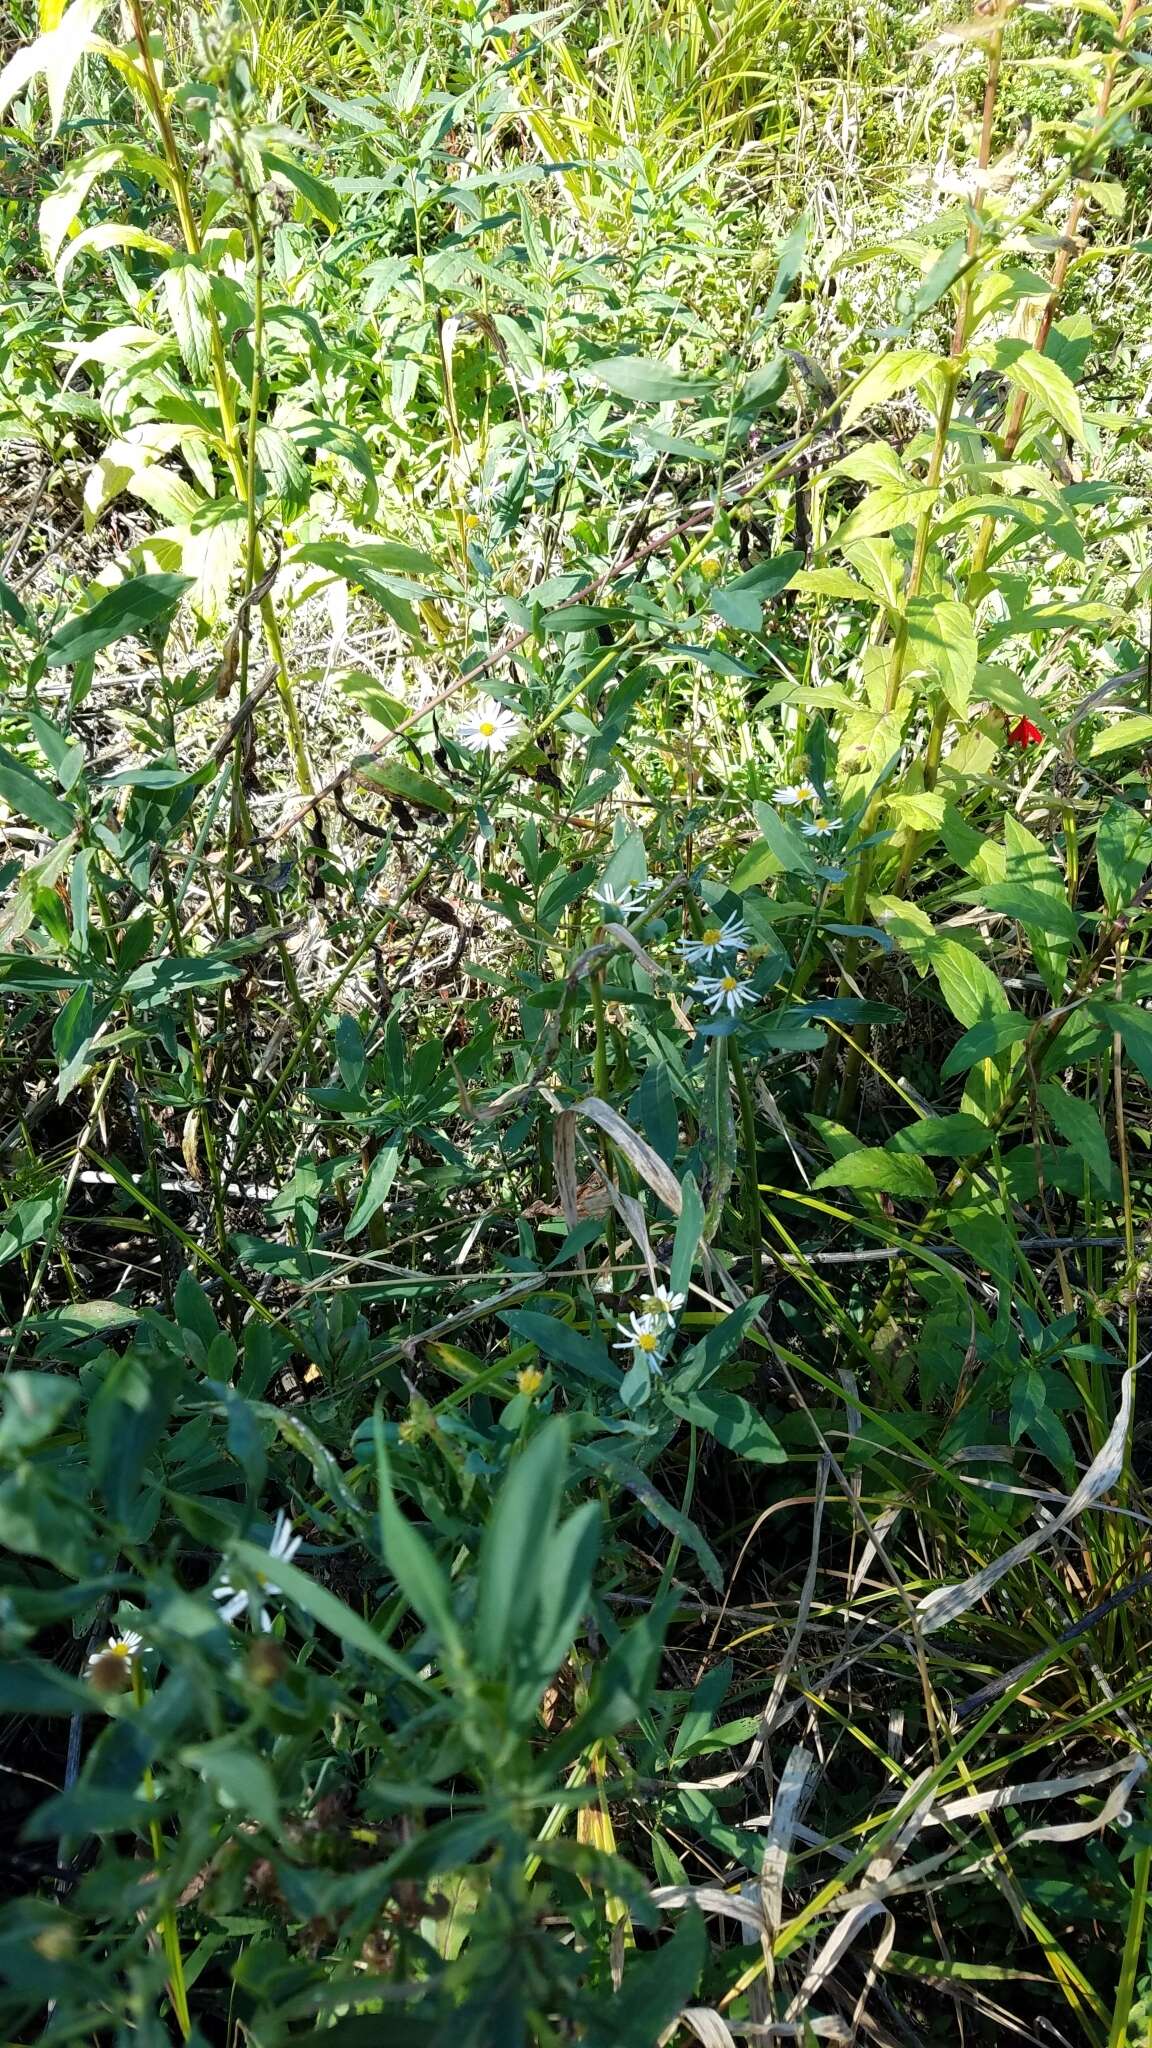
(689,1230)
(397,779)
(783,840)
(188,297)
(320,197)
(647,383)
(886,379)
(56,54)
(944,1137)
(239,1778)
(30,798)
(1078,1122)
(1123,853)
(1117,739)
(108,234)
(886,1173)
(741,604)
(1050,914)
(134,609)
(969,988)
(942,641)
(408,1557)
(560,1342)
(984,1040)
(706,1357)
(343,1622)
(376,1189)
(34,1402)
(733,1421)
(64,202)
(1042,380)
(1135,1028)
(72,1039)
(514,1550)
(655,1989)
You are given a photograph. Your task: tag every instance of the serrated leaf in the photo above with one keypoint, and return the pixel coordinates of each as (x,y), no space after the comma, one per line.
(969,988)
(984,1040)
(943,1137)
(881,1172)
(1049,913)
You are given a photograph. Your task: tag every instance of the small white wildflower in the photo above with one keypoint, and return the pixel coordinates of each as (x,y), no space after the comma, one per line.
(726,992)
(615,902)
(729,937)
(658,1303)
(820,828)
(128,1646)
(236,1601)
(643,1336)
(790,794)
(538,382)
(489,729)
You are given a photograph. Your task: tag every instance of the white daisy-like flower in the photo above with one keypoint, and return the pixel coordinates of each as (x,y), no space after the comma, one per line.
(820,828)
(644,1337)
(538,382)
(237,1600)
(793,793)
(659,1303)
(489,729)
(128,1646)
(729,937)
(623,902)
(724,992)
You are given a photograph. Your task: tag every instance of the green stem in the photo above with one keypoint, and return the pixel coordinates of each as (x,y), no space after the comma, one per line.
(752,1224)
(1133,1950)
(169,1931)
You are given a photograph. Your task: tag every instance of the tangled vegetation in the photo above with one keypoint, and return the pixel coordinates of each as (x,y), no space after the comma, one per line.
(575,897)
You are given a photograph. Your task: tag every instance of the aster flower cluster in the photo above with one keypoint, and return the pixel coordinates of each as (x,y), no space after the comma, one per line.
(648,1333)
(796,795)
(725,990)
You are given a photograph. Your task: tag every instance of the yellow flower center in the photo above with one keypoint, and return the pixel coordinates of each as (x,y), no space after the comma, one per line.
(487,728)
(120,1650)
(712,936)
(729,983)
(646,1341)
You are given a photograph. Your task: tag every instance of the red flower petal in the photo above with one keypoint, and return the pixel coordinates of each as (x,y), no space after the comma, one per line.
(1025,734)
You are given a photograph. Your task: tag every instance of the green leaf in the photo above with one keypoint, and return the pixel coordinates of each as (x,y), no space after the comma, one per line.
(319,196)
(239,1779)
(885,1173)
(783,841)
(944,1137)
(34,1404)
(970,989)
(514,1548)
(29,1222)
(30,798)
(188,296)
(408,1557)
(689,1230)
(1078,1122)
(397,779)
(376,1189)
(1042,380)
(734,1422)
(1051,915)
(134,609)
(56,54)
(304,1591)
(60,208)
(705,1358)
(1123,853)
(984,1040)
(942,641)
(886,379)
(642,382)
(655,1989)
(72,1039)
(1135,1028)
(560,1342)
(741,604)
(1117,739)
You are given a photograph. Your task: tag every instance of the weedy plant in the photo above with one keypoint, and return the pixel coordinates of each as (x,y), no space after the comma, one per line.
(573,773)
